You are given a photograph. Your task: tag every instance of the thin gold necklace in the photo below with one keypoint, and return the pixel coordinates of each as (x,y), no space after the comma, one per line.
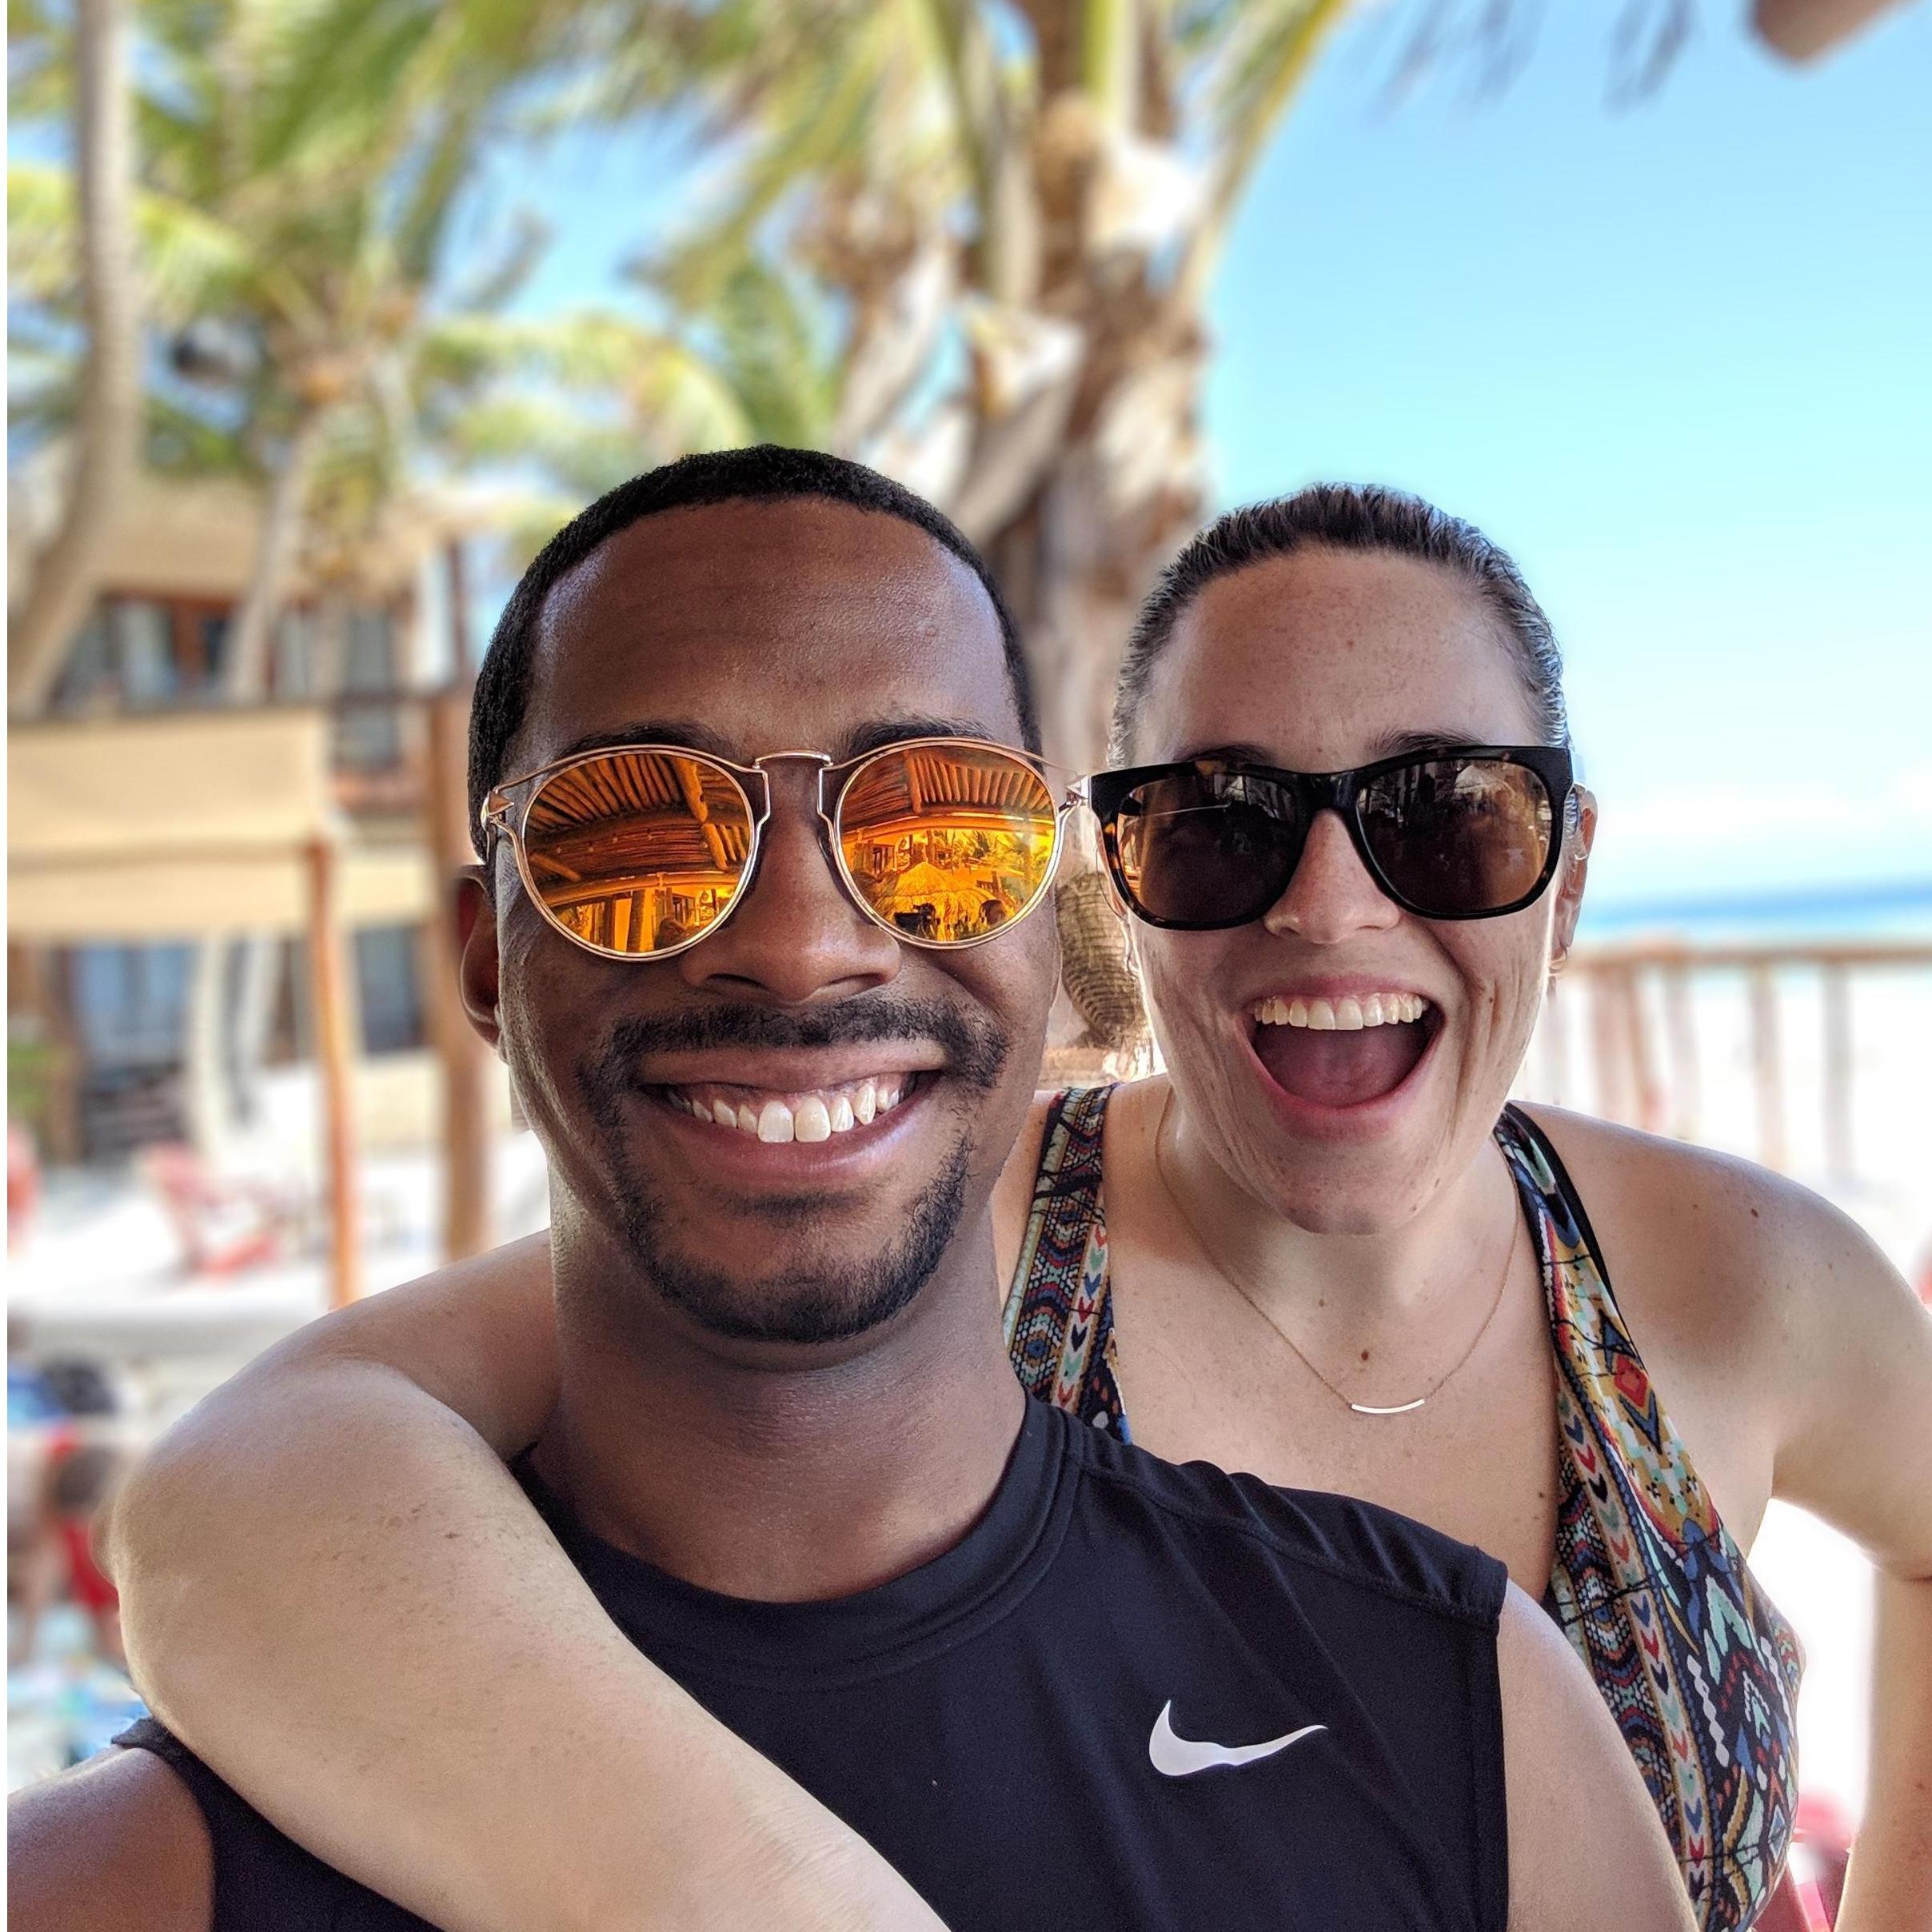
(1235,1282)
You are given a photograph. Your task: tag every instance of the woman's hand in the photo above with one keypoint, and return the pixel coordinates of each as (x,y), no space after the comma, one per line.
(1856,1447)
(1890,1884)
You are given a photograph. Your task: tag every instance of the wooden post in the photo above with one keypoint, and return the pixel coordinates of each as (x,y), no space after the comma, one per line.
(1680,1024)
(1556,1047)
(1648,1094)
(1606,1065)
(462,670)
(335,1056)
(465,1059)
(1838,1070)
(1766,1067)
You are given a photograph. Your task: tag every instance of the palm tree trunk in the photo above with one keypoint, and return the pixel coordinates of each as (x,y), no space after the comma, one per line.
(219,1072)
(246,678)
(106,442)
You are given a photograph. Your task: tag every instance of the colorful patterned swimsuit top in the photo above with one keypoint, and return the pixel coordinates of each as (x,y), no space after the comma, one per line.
(1697,1667)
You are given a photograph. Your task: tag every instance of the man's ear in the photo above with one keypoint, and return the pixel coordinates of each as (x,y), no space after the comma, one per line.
(1570,882)
(475,914)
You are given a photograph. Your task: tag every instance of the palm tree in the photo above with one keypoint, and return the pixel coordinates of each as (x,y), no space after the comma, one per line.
(1009,216)
(107,443)
(297,168)
(1008,220)
(299,172)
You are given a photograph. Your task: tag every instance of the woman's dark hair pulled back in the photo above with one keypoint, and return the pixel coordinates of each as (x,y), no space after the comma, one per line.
(1346,516)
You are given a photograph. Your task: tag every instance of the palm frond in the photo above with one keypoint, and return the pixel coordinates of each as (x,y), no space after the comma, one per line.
(1268,50)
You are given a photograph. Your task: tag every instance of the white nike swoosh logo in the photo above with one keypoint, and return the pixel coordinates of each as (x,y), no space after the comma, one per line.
(1181,1757)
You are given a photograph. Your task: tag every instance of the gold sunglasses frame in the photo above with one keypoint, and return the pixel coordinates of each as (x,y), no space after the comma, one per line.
(752,784)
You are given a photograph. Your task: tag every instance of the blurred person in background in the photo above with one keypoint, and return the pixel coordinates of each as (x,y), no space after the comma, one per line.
(64,1454)
(786,1452)
(78,1478)
(1328,1251)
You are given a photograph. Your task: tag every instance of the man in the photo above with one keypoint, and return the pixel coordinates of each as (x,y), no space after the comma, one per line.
(1056,1682)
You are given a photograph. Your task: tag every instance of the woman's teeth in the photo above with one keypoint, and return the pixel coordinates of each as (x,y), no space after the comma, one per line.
(794,1117)
(1348,1014)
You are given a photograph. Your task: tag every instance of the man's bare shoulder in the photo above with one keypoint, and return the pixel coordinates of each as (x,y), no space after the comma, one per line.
(118,1841)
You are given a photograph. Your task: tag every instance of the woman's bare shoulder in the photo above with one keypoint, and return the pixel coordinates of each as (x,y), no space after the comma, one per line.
(1631,1170)
(1731,1255)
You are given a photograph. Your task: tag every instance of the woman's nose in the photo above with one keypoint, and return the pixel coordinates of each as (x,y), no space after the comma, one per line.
(1330,896)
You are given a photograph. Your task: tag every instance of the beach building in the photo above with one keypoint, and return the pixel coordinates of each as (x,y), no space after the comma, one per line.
(158,910)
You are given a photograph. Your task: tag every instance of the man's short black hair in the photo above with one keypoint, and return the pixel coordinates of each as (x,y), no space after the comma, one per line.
(764,474)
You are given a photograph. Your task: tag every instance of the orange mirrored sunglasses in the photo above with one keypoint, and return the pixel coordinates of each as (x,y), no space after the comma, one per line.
(637,852)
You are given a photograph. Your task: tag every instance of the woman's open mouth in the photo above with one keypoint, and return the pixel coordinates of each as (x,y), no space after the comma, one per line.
(1342,1052)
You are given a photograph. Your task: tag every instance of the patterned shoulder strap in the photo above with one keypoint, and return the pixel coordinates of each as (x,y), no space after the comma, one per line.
(1059,1318)
(1697,1667)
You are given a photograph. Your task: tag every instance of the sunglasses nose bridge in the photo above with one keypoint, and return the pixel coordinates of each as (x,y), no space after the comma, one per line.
(1333,892)
(824,764)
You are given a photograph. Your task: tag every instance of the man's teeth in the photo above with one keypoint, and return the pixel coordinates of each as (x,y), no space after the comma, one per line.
(795,1116)
(1348,1014)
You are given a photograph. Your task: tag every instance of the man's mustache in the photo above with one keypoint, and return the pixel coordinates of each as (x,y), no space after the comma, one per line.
(975,1049)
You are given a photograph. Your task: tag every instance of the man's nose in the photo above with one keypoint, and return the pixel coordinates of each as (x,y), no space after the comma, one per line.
(1330,896)
(795,937)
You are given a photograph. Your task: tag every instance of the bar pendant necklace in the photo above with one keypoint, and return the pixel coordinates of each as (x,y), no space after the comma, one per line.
(1359,1408)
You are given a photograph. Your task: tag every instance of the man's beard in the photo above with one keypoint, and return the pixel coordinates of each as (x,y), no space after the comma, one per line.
(808,1303)
(803,1303)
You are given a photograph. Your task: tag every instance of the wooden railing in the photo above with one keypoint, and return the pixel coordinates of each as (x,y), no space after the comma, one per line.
(1638,1010)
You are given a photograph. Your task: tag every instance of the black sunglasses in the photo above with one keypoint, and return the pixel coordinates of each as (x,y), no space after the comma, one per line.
(1463,831)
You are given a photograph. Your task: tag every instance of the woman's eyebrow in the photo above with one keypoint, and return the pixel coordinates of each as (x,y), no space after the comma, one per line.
(1386,744)
(1393,744)
(1236,754)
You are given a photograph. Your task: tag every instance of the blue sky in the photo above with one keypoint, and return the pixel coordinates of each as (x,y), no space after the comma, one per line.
(1675,358)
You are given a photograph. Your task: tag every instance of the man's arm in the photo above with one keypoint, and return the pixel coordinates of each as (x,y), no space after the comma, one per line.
(1586,1849)
(116,1845)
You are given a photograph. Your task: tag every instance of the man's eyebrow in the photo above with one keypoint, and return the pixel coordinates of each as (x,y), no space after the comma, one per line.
(688,734)
(881,732)
(1233,754)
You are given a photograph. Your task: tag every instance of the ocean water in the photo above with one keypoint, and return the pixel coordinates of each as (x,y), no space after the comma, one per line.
(1853,1121)
(1896,909)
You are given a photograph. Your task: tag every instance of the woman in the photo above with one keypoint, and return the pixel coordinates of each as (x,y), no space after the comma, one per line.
(1327,1252)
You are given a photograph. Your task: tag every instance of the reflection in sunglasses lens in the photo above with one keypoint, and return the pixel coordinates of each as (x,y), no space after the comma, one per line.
(1459,835)
(947,843)
(636,852)
(1208,848)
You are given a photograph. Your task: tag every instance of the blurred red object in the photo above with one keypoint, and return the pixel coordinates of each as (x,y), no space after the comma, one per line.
(224,1226)
(22,1182)
(1807,1897)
